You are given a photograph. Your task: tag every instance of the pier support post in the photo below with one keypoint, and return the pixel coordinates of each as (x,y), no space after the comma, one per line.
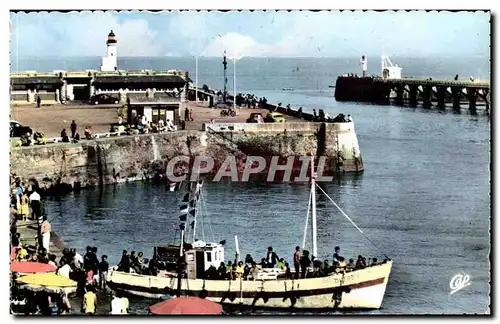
(413,95)
(400,89)
(441,95)
(427,96)
(487,99)
(472,96)
(456,93)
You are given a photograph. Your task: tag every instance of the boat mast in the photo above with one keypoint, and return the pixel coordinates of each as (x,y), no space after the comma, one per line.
(313,209)
(195,209)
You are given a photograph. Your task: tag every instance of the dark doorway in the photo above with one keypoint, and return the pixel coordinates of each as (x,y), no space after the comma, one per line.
(200,264)
(81,92)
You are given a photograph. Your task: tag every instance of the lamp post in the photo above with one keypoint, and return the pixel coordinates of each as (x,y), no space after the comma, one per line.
(196,87)
(235,59)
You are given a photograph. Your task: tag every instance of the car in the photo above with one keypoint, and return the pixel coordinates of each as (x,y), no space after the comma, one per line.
(274,117)
(103,99)
(18,130)
(255,118)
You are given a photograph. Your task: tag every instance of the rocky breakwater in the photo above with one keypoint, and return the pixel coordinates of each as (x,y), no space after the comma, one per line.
(337,142)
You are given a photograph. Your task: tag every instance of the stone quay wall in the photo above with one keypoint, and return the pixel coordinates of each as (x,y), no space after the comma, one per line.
(113,160)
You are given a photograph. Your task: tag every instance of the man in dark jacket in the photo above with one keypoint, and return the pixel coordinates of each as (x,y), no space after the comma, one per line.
(271,257)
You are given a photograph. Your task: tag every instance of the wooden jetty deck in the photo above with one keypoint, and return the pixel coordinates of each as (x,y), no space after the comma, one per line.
(413,92)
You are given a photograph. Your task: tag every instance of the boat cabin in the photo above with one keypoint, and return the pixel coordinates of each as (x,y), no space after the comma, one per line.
(199,257)
(154,111)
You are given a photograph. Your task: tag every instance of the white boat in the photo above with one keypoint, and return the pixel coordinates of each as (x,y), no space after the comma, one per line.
(359,288)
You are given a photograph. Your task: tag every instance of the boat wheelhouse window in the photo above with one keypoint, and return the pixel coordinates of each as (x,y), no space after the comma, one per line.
(190,257)
(215,256)
(209,257)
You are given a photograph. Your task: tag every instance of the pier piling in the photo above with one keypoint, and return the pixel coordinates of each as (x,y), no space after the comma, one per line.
(441,96)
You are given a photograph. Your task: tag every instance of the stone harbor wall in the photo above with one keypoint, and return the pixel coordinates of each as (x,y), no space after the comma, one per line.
(127,158)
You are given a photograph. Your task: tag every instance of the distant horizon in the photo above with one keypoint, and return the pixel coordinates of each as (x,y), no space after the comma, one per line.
(456,57)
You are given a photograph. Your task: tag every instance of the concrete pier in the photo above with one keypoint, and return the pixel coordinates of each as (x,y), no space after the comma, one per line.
(403,91)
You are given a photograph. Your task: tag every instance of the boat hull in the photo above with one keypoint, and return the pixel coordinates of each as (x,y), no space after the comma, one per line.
(358,289)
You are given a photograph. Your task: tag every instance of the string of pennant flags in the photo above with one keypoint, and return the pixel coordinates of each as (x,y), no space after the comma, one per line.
(188,205)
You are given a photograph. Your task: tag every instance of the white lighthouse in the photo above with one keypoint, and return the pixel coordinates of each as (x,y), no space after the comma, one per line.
(109,61)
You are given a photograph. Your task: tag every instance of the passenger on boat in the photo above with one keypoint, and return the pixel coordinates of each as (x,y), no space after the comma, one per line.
(254,271)
(221,271)
(271,257)
(248,260)
(138,263)
(232,274)
(360,263)
(296,261)
(281,264)
(350,264)
(124,264)
(133,259)
(153,267)
(263,263)
(239,271)
(340,266)
(374,261)
(229,266)
(336,255)
(325,269)
(317,265)
(288,272)
(211,273)
(305,263)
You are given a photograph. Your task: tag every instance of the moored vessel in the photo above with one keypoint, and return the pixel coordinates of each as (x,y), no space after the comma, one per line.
(362,288)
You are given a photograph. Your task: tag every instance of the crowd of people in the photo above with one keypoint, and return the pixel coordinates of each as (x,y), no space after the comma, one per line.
(304,266)
(27,206)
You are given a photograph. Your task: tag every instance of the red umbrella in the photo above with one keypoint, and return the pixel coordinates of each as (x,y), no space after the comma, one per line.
(31,267)
(186,306)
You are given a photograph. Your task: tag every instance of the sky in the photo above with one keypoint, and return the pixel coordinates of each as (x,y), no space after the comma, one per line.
(254,34)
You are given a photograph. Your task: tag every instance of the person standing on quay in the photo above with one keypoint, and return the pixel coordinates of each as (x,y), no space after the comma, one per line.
(45,230)
(364,65)
(73,129)
(38,101)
